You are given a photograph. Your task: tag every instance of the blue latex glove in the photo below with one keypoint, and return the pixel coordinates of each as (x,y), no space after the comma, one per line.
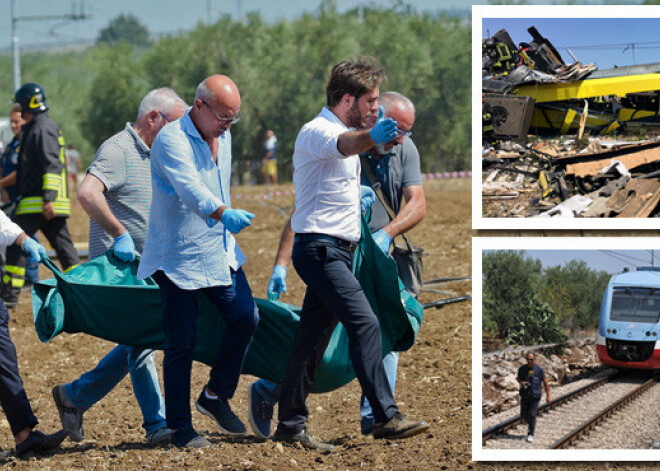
(277,283)
(383,240)
(236,219)
(367,197)
(124,247)
(34,249)
(384,130)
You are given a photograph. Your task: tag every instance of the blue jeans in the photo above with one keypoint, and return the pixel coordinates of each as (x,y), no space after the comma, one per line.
(93,386)
(270,391)
(239,312)
(333,295)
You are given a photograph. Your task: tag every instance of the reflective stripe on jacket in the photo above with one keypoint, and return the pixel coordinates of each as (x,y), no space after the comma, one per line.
(42,168)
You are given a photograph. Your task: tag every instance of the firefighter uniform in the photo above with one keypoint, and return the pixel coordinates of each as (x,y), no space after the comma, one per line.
(41,178)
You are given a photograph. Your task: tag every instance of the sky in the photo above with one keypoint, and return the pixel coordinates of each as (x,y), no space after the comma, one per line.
(163,16)
(604,41)
(611,261)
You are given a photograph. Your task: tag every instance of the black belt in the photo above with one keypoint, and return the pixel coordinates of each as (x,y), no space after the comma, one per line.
(334,241)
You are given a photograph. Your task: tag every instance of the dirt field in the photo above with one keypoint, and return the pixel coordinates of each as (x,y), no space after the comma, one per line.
(433,381)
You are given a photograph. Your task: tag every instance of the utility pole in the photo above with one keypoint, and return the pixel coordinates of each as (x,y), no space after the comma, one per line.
(239,11)
(16,53)
(16,61)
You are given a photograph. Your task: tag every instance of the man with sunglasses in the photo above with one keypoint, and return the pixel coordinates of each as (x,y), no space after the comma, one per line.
(190,250)
(116,193)
(395,166)
(530,377)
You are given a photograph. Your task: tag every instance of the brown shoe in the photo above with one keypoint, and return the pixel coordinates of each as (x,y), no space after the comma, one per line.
(399,427)
(305,439)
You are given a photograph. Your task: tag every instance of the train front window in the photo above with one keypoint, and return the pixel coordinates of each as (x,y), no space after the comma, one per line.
(636,305)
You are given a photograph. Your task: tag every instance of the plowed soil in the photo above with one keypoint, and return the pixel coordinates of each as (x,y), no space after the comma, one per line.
(433,380)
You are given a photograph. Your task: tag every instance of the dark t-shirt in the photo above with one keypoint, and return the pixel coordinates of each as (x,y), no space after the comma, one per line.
(533,378)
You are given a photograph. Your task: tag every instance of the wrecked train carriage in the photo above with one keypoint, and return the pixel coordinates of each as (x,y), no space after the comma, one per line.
(531,89)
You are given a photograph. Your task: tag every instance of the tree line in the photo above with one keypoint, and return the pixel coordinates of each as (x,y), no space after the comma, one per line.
(281,70)
(526,304)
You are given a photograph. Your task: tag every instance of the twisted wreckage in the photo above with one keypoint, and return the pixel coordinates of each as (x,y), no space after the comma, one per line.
(529,89)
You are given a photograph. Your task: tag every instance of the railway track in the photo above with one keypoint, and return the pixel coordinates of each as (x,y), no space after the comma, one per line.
(570,438)
(565,420)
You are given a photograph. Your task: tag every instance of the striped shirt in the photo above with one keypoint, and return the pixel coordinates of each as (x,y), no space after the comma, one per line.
(123,165)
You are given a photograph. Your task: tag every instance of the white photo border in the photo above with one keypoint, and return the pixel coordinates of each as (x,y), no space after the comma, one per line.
(479,12)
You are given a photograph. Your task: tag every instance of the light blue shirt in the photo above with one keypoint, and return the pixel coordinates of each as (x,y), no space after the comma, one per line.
(193,250)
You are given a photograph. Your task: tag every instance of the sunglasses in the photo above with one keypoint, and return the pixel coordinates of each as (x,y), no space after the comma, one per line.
(225,119)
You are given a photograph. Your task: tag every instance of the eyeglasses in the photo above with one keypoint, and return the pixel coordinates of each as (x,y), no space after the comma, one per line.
(165,117)
(225,119)
(399,132)
(530,359)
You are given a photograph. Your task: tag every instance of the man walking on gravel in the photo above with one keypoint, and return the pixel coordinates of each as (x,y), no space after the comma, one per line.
(530,377)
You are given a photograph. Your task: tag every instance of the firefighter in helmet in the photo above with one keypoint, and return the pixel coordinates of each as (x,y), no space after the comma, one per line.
(43,198)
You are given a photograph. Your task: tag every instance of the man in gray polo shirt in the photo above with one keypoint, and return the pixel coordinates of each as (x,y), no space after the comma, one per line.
(116,193)
(396,167)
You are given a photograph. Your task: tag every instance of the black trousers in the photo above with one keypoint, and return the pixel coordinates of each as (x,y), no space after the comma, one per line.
(529,408)
(236,307)
(13,399)
(333,294)
(57,233)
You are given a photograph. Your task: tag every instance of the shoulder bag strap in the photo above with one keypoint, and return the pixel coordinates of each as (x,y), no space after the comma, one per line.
(376,186)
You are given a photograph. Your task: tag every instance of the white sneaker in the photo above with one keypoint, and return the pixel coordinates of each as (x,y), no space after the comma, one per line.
(530,438)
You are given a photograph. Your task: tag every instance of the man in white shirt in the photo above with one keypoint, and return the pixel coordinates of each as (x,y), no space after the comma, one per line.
(326,222)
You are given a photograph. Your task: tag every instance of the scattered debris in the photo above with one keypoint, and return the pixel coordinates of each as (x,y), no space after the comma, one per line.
(529,89)
(553,178)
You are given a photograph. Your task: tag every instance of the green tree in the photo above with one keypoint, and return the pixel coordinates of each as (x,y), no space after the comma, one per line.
(511,305)
(574,291)
(125,28)
(115,94)
(281,69)
(508,283)
(533,323)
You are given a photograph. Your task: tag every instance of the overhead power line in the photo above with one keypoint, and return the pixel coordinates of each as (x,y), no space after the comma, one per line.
(638,44)
(629,259)
(15,18)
